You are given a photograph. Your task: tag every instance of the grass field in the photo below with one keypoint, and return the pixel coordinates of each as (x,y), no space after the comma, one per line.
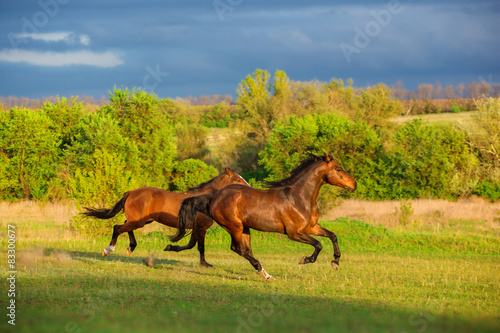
(461,118)
(404,279)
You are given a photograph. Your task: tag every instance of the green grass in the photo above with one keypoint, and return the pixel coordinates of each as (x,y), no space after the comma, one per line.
(403,280)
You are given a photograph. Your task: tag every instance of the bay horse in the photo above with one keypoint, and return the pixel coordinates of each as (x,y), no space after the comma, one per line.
(147,204)
(288,207)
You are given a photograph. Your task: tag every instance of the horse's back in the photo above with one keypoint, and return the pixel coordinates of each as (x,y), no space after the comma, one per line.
(153,203)
(254,208)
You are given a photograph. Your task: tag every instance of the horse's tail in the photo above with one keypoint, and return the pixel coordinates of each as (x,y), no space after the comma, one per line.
(107,213)
(188,212)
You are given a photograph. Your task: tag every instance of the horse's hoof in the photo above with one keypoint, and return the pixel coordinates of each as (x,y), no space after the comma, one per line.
(266,275)
(303,260)
(104,253)
(168,248)
(206,264)
(129,251)
(335,266)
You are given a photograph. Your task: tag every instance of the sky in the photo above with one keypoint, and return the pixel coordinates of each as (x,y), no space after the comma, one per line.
(206,47)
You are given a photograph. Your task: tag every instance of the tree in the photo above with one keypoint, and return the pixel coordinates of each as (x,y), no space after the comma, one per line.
(253,101)
(65,115)
(29,154)
(140,120)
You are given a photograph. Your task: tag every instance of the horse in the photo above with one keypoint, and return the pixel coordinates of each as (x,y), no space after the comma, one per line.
(288,207)
(147,204)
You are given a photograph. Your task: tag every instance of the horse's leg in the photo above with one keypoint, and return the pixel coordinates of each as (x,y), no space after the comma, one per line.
(305,238)
(201,232)
(197,236)
(318,230)
(133,242)
(241,244)
(114,238)
(128,226)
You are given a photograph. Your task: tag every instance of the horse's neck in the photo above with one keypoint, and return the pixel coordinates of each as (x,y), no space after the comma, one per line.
(209,188)
(308,184)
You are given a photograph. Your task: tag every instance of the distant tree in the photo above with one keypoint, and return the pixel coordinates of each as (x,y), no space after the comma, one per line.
(449,92)
(479,89)
(424,92)
(460,90)
(438,89)
(400,92)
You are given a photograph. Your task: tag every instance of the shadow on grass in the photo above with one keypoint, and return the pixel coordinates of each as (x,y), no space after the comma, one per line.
(85,256)
(144,305)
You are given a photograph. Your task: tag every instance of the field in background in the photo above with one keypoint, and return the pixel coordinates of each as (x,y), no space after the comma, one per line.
(393,277)
(425,212)
(462,118)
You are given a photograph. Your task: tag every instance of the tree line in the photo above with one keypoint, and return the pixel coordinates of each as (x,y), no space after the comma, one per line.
(65,149)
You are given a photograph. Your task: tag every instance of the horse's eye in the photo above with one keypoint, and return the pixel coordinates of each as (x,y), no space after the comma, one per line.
(338,169)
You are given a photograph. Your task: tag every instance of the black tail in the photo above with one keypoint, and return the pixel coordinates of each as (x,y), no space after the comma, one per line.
(187,214)
(107,213)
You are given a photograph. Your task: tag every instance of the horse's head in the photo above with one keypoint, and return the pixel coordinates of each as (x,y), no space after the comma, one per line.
(335,175)
(229,177)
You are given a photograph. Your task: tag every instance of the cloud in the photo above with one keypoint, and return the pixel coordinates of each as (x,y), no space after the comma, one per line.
(59,59)
(68,37)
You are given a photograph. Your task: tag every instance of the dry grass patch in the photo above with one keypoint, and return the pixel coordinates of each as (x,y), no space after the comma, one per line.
(426,212)
(33,211)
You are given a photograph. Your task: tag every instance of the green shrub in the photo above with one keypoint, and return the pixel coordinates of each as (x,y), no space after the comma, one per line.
(29,154)
(488,189)
(140,119)
(191,173)
(191,141)
(353,144)
(218,116)
(428,159)
(455,108)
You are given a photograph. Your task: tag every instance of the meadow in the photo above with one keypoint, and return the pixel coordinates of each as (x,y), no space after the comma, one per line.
(393,277)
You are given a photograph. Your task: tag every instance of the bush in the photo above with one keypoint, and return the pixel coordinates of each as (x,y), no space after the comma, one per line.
(353,144)
(429,159)
(190,173)
(218,116)
(191,141)
(100,185)
(488,189)
(29,154)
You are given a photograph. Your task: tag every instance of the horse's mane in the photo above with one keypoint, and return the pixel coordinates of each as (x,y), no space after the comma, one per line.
(310,160)
(201,185)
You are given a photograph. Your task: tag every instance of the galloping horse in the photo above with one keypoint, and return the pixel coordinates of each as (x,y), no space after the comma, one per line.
(147,204)
(287,207)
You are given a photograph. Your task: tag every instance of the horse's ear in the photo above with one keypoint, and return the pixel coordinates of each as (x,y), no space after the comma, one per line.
(328,157)
(229,171)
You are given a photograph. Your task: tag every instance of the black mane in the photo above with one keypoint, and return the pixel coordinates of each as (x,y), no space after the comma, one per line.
(310,160)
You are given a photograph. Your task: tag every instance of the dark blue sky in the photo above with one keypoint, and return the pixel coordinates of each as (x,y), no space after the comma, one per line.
(205,47)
